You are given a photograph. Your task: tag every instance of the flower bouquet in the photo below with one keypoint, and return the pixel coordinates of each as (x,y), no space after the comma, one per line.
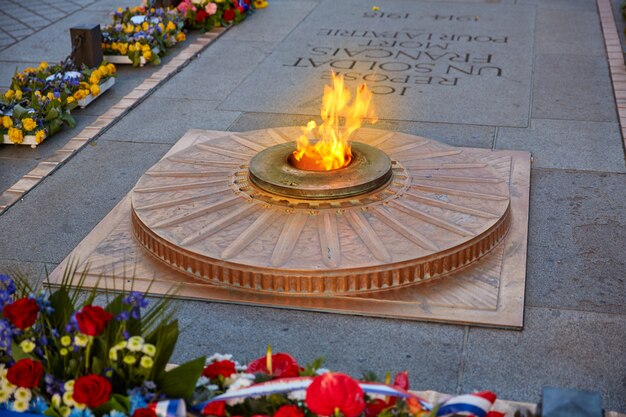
(140,34)
(62,357)
(208,14)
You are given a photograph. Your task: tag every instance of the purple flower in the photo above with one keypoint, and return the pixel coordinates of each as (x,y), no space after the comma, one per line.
(72,326)
(125,335)
(123,316)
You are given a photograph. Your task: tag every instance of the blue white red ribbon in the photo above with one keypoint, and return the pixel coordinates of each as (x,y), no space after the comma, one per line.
(477,404)
(169,408)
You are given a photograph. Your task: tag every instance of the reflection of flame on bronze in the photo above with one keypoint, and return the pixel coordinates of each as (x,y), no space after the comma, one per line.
(332,149)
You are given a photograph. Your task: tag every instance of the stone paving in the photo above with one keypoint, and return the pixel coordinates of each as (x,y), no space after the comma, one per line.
(552,96)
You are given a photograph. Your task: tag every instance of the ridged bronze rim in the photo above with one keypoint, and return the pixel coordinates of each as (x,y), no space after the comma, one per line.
(199,212)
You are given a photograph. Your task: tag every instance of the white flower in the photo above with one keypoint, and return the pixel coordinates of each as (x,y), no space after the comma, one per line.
(7,386)
(81,340)
(216,357)
(149,349)
(203,380)
(69,386)
(4,395)
(238,384)
(20,406)
(138,19)
(135,344)
(68,399)
(120,345)
(56,400)
(113,354)
(298,395)
(22,394)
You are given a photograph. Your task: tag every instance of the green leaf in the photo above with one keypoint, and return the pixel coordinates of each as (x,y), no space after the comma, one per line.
(19,112)
(63,308)
(180,382)
(55,126)
(52,412)
(68,119)
(164,338)
(17,352)
(52,114)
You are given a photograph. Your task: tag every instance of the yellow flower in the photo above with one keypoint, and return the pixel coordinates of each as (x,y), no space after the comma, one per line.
(113,354)
(111,68)
(63,351)
(38,93)
(170,27)
(23,394)
(161,26)
(66,340)
(258,4)
(18,94)
(94,89)
(120,345)
(145,26)
(29,124)
(7,122)
(149,349)
(20,406)
(146,362)
(131,47)
(56,400)
(130,359)
(375,8)
(16,135)
(50,95)
(147,55)
(137,28)
(68,398)
(135,343)
(180,37)
(145,48)
(78,95)
(27,346)
(70,100)
(69,385)
(9,94)
(120,10)
(40,135)
(129,28)
(43,65)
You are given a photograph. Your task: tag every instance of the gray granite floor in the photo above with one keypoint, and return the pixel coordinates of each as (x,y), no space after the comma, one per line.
(527,74)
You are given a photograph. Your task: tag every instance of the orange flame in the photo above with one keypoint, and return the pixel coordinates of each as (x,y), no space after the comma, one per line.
(332,149)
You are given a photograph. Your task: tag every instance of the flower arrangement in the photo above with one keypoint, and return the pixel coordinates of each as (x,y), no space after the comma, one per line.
(65,357)
(142,33)
(39,100)
(207,14)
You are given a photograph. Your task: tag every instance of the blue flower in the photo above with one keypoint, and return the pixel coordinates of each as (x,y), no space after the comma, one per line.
(136,400)
(123,316)
(7,289)
(53,385)
(137,301)
(43,300)
(6,335)
(72,325)
(38,405)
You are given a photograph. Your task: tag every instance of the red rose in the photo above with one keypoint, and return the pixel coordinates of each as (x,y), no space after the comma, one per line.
(283,366)
(224,368)
(241,9)
(228,15)
(144,412)
(375,407)
(217,408)
(92,320)
(332,391)
(289,411)
(25,373)
(92,390)
(201,16)
(21,313)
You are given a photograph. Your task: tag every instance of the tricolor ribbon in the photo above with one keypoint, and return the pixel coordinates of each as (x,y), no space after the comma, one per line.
(169,408)
(477,404)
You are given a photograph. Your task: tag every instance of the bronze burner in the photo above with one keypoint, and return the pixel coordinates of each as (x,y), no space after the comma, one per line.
(272,171)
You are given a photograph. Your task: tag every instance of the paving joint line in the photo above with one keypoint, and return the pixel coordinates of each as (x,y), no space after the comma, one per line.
(103,123)
(617,67)
(459,382)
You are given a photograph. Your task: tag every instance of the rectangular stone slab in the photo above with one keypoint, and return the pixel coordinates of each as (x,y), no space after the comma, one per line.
(488,293)
(468,64)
